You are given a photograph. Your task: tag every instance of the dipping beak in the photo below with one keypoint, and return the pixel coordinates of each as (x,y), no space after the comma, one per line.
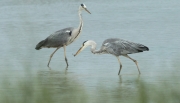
(79,50)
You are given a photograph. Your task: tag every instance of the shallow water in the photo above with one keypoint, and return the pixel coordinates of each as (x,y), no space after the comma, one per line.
(152,23)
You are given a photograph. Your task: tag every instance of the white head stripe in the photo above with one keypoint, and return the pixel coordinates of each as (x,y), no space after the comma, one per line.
(106,44)
(68,31)
(84,5)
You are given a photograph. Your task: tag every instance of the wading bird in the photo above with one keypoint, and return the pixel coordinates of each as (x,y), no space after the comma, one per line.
(115,47)
(64,37)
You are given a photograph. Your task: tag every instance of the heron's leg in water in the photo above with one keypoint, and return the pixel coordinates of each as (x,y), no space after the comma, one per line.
(65,55)
(52,56)
(120,65)
(134,62)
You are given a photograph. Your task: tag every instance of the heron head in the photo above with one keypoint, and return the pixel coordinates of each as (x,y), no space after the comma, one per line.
(83,7)
(84,45)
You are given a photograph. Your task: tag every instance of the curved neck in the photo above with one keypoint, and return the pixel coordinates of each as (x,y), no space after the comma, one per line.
(93,48)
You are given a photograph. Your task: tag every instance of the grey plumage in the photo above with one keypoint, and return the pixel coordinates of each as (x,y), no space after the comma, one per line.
(116,47)
(57,39)
(119,47)
(63,37)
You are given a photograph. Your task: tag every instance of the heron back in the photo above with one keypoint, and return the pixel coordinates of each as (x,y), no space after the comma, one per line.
(118,47)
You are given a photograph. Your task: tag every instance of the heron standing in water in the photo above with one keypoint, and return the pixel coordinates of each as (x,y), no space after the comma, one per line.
(63,37)
(116,47)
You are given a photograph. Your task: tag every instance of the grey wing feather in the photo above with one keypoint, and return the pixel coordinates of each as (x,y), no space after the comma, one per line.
(59,38)
(121,47)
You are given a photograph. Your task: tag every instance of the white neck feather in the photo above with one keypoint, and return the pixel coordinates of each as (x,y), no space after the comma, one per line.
(80,18)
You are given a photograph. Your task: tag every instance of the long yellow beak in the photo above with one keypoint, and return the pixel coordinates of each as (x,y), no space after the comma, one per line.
(79,51)
(87,10)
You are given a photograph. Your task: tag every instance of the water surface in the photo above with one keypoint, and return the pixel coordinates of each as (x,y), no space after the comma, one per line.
(152,23)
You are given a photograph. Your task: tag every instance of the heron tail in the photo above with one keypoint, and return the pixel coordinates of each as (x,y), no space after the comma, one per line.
(39,45)
(143,48)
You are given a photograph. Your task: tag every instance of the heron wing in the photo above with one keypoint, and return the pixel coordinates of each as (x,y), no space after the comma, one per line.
(121,47)
(59,38)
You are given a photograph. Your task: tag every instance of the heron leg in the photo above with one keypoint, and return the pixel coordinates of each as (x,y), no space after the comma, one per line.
(120,65)
(134,62)
(52,56)
(65,55)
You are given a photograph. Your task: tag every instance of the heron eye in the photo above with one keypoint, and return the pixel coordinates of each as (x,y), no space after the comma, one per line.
(82,5)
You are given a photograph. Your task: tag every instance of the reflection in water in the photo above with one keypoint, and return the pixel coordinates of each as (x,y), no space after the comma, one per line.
(136,91)
(56,86)
(47,87)
(49,68)
(134,79)
(63,87)
(66,68)
(125,91)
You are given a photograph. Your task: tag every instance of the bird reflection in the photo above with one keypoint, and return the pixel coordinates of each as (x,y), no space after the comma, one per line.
(66,68)
(49,68)
(127,79)
(61,87)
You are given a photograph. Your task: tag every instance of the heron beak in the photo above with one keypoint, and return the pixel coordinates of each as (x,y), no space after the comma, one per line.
(87,10)
(79,50)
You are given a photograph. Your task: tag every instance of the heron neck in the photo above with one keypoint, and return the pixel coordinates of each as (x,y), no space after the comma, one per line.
(93,48)
(94,51)
(79,29)
(81,21)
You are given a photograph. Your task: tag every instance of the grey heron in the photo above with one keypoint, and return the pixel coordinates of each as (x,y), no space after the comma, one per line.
(116,47)
(63,37)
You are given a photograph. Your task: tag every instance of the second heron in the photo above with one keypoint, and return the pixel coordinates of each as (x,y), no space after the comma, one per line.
(116,47)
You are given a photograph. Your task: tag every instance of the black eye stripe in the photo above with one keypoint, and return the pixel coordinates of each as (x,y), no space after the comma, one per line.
(84,42)
(82,5)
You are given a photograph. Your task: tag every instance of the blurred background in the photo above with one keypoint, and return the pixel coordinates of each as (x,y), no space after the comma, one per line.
(25,77)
